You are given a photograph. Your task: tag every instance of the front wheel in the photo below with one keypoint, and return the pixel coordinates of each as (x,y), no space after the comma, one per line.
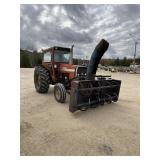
(60,92)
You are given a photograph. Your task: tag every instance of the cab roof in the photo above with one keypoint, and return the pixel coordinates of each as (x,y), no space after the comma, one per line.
(51,49)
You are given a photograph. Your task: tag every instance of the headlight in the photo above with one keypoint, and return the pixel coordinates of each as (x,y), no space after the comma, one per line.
(66,77)
(55,66)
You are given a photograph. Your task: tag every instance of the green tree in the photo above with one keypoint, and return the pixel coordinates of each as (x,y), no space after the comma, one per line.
(124,61)
(25,61)
(117,62)
(138,61)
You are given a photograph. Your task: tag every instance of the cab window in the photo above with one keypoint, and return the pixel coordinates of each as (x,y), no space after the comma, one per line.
(47,57)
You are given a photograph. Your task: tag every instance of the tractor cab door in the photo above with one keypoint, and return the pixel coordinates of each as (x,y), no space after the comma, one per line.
(55,67)
(59,57)
(47,63)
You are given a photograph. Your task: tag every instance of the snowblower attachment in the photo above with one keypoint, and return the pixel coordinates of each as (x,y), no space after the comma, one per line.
(94,90)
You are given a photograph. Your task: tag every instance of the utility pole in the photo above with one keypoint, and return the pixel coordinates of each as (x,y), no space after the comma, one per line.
(135,52)
(135,49)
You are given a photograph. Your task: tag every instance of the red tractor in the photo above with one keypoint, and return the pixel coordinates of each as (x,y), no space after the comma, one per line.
(85,88)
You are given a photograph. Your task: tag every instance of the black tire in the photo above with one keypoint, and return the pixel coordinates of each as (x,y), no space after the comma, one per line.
(41,79)
(60,92)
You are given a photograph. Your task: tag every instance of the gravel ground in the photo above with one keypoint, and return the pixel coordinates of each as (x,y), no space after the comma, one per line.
(48,128)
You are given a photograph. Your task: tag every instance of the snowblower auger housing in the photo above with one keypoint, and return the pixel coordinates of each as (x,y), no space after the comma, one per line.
(86,89)
(89,93)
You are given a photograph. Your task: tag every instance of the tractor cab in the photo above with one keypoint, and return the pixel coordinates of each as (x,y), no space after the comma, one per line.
(57,54)
(57,61)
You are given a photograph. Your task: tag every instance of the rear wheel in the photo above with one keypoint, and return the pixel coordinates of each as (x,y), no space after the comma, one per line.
(41,79)
(60,92)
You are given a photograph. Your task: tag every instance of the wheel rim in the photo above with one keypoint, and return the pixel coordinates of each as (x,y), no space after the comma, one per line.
(57,94)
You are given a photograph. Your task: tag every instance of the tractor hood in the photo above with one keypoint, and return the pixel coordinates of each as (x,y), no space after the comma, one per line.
(67,68)
(73,70)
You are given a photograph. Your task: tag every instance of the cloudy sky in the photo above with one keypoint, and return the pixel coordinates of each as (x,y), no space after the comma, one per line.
(84,26)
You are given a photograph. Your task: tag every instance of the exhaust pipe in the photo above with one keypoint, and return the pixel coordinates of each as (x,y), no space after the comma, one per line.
(71,56)
(95,58)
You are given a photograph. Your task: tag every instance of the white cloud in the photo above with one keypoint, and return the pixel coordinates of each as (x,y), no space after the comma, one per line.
(83,25)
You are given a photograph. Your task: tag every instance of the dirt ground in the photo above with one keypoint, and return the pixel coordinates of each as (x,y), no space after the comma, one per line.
(48,128)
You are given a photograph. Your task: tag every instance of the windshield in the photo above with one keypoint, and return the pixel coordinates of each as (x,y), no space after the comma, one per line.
(61,56)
